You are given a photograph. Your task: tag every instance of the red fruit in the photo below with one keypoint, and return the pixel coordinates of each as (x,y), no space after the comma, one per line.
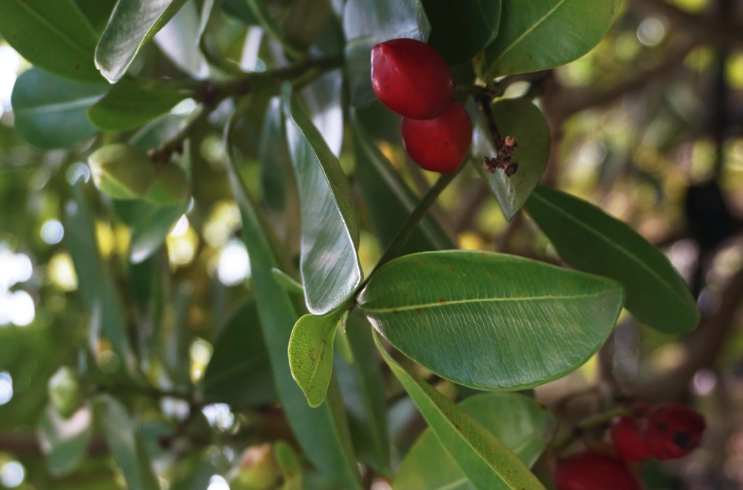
(672,431)
(411,78)
(594,471)
(627,440)
(442,144)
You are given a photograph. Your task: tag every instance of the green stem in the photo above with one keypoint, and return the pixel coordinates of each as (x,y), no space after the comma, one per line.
(599,420)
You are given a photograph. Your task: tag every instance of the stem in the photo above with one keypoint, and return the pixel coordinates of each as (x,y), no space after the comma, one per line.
(175,145)
(600,420)
(485,100)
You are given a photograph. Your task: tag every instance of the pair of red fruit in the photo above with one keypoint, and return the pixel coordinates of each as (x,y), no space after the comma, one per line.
(665,432)
(412,79)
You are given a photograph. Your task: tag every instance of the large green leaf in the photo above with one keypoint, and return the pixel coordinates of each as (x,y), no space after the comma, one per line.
(323,101)
(311,354)
(51,34)
(519,422)
(521,119)
(97,11)
(131,25)
(178,40)
(321,432)
(129,105)
(491,321)
(330,232)
(547,33)
(363,390)
(274,156)
(389,200)
(484,460)
(367,24)
(592,241)
(50,111)
(239,372)
(65,442)
(459,30)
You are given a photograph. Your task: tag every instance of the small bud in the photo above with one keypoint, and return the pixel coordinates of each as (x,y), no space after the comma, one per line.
(65,393)
(258,469)
(122,171)
(170,186)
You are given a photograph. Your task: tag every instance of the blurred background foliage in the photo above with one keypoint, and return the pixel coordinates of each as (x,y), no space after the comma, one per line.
(648,125)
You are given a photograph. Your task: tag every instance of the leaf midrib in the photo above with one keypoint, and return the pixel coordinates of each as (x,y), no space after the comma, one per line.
(528,31)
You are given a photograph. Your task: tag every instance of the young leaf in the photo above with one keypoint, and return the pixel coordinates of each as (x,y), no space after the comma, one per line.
(519,422)
(239,372)
(321,432)
(592,241)
(128,105)
(330,232)
(479,19)
(484,460)
(491,321)
(389,200)
(132,24)
(50,111)
(51,34)
(124,441)
(288,282)
(311,354)
(65,442)
(367,24)
(534,38)
(521,119)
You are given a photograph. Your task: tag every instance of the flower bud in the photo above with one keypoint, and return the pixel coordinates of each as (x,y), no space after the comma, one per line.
(122,171)
(65,393)
(170,186)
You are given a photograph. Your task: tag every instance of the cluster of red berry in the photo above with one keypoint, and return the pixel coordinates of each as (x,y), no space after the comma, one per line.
(665,432)
(412,79)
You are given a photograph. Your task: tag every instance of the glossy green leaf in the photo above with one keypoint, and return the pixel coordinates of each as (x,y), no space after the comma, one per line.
(363,390)
(97,11)
(239,372)
(50,110)
(128,105)
(274,156)
(311,354)
(323,101)
(287,282)
(491,321)
(459,30)
(132,24)
(519,422)
(484,460)
(389,200)
(547,33)
(291,468)
(521,119)
(321,432)
(124,441)
(259,12)
(209,11)
(330,232)
(151,230)
(240,10)
(305,21)
(367,24)
(592,241)
(51,34)
(178,40)
(65,442)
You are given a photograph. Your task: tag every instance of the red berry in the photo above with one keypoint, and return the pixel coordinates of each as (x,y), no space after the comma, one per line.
(442,144)
(627,440)
(411,78)
(672,431)
(594,471)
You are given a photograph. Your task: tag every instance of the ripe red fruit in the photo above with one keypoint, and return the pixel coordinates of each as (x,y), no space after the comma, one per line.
(411,78)
(627,440)
(672,431)
(442,144)
(593,471)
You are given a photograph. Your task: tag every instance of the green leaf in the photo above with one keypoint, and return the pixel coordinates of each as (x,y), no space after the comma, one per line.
(547,33)
(178,336)
(178,40)
(484,460)
(389,200)
(287,282)
(519,422)
(459,30)
(259,12)
(322,98)
(491,321)
(50,111)
(521,119)
(274,157)
(132,24)
(51,34)
(367,24)
(239,372)
(305,21)
(128,105)
(330,232)
(97,12)
(209,11)
(311,354)
(124,441)
(240,10)
(65,442)
(363,390)
(151,229)
(321,432)
(592,241)
(290,466)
